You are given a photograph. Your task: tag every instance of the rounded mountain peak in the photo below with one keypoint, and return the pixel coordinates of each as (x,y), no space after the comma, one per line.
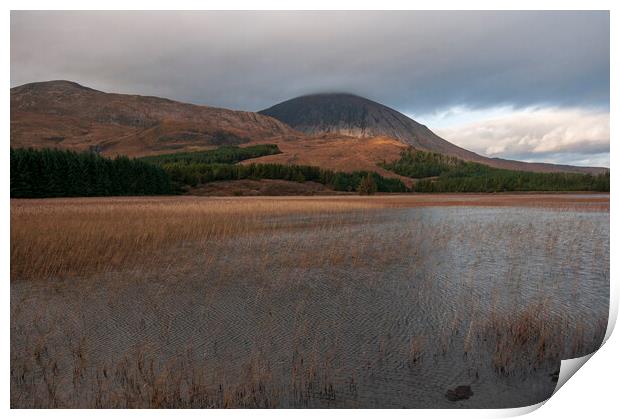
(342,113)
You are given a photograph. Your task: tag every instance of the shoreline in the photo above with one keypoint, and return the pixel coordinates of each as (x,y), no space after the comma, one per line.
(582,200)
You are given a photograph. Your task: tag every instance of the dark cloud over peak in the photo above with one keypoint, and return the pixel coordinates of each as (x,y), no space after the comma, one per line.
(416,62)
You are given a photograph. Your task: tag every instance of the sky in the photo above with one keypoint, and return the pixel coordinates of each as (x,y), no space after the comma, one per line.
(532,86)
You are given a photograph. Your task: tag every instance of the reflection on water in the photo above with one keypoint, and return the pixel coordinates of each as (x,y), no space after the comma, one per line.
(379,309)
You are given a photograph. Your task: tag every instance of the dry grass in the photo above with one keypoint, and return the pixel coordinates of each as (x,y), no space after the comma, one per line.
(534,337)
(144,293)
(75,237)
(140,381)
(333,151)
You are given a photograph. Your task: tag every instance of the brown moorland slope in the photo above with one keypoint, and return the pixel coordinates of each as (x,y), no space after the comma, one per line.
(63,114)
(349,133)
(66,115)
(339,153)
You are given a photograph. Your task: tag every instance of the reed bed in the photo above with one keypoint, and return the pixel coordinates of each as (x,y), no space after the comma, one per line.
(77,237)
(300,302)
(81,236)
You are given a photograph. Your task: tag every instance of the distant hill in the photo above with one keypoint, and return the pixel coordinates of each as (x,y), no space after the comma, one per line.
(355,116)
(66,115)
(334,131)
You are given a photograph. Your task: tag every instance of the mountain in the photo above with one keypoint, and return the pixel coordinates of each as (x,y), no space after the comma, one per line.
(64,114)
(334,131)
(67,115)
(355,116)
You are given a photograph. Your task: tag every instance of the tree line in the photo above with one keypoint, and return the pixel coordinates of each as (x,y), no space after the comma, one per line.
(500,180)
(450,174)
(57,173)
(198,167)
(193,174)
(43,173)
(224,154)
(61,173)
(418,164)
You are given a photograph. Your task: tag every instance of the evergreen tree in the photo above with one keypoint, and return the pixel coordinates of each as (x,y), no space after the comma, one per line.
(51,173)
(367,185)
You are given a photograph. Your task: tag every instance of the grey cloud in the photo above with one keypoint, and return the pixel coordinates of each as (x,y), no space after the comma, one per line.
(416,62)
(557,135)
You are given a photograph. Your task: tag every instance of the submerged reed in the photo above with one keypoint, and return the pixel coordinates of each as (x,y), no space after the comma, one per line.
(286,302)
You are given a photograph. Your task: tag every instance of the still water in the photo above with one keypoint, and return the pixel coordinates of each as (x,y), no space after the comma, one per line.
(388,308)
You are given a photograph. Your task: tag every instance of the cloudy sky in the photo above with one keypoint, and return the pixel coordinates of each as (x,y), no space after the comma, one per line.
(527,85)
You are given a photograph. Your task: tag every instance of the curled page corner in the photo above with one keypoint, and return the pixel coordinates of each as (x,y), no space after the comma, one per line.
(517,411)
(613,313)
(568,368)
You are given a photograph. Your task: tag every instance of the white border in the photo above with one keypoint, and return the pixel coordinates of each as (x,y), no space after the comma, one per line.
(592,392)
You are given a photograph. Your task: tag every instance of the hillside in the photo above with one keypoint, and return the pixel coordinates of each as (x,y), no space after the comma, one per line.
(350,115)
(339,132)
(67,115)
